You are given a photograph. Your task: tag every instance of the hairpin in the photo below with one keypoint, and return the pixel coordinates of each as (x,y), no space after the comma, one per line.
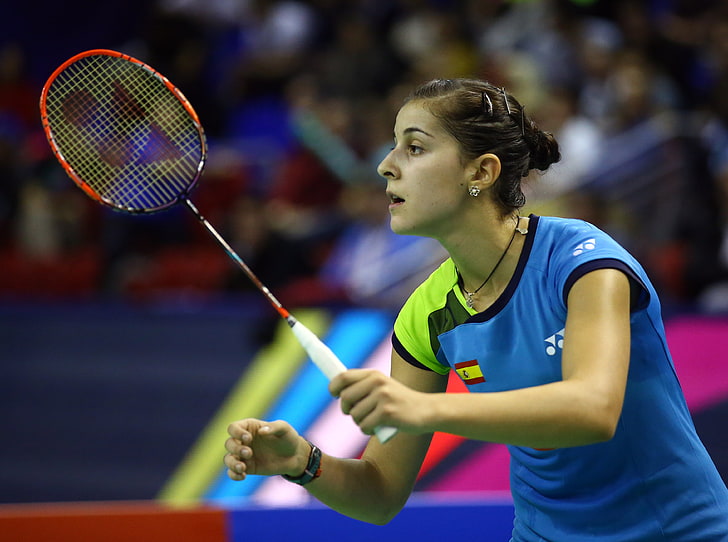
(508,109)
(483,97)
(523,123)
(505,99)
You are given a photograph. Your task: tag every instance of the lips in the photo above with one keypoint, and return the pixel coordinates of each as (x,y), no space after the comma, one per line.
(394,199)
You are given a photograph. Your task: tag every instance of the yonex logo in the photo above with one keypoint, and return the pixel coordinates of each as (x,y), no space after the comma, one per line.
(589,244)
(555,342)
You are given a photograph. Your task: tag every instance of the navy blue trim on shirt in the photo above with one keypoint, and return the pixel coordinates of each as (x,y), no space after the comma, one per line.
(409,358)
(507,294)
(639,295)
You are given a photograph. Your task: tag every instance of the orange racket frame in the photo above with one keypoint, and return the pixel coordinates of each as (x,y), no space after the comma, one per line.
(57,151)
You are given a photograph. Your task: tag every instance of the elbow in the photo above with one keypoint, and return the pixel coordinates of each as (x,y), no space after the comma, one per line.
(604,432)
(379,518)
(600,413)
(592,422)
(385,514)
(604,425)
(383,520)
(385,497)
(385,509)
(583,433)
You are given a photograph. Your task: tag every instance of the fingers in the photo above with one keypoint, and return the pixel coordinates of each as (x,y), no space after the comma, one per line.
(362,394)
(236,457)
(258,447)
(239,445)
(243,430)
(236,470)
(365,415)
(344,380)
(237,448)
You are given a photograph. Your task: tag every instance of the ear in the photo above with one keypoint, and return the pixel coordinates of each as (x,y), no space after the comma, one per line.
(487,170)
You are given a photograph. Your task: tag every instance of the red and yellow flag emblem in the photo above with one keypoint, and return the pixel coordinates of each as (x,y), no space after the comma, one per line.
(470,372)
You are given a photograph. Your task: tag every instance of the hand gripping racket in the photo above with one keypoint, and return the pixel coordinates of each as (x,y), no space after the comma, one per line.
(130,140)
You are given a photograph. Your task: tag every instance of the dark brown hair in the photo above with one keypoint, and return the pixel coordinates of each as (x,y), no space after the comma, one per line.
(486,119)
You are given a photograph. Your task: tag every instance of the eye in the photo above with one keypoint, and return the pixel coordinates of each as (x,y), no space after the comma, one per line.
(415,149)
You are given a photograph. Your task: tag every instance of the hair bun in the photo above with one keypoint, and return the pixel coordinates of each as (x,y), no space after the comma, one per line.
(543,147)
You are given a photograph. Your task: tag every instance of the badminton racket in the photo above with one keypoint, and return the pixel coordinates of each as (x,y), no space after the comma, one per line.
(131,140)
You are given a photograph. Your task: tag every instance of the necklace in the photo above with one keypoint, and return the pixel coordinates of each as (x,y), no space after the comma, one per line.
(469,295)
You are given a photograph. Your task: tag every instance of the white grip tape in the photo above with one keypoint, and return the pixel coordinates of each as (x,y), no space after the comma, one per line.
(330,365)
(320,354)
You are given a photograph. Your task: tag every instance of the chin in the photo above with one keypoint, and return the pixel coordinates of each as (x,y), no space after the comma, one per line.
(400,229)
(400,226)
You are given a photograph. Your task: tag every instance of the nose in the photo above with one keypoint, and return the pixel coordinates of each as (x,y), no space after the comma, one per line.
(386,167)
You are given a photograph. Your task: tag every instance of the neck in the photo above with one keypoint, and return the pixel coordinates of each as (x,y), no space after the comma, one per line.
(486,261)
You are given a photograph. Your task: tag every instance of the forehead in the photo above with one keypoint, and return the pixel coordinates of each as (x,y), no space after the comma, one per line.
(415,117)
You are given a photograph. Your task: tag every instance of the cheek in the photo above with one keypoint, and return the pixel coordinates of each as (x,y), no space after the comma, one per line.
(445,189)
(441,201)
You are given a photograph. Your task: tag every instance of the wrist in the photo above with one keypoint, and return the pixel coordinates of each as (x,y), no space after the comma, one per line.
(299,460)
(311,468)
(431,413)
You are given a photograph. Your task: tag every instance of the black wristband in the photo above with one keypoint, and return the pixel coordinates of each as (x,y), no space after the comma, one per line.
(312,470)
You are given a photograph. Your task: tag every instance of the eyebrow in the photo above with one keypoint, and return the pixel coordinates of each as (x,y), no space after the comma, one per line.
(413,129)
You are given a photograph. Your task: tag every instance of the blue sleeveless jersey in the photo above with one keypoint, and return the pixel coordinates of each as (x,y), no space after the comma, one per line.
(654,481)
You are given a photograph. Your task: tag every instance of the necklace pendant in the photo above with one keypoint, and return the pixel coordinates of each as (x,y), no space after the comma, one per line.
(469,300)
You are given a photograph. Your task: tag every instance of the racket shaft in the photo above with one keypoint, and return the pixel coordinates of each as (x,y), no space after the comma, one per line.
(320,354)
(237,259)
(330,365)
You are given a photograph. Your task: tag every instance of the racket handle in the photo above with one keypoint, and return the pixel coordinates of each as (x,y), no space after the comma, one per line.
(329,364)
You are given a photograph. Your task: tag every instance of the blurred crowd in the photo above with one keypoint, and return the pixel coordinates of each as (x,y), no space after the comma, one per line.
(298,100)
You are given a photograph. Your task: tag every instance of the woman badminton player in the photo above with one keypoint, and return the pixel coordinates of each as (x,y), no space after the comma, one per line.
(555,329)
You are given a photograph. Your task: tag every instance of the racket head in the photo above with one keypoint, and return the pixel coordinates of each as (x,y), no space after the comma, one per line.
(122,131)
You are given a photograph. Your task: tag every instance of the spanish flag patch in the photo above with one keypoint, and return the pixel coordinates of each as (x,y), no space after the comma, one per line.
(470,372)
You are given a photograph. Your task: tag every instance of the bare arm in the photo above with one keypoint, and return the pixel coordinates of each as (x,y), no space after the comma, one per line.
(373,488)
(377,487)
(581,409)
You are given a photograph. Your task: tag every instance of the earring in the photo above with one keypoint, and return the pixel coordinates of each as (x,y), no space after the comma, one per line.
(474,191)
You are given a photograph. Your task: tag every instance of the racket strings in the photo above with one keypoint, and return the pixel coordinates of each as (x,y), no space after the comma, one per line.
(125,132)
